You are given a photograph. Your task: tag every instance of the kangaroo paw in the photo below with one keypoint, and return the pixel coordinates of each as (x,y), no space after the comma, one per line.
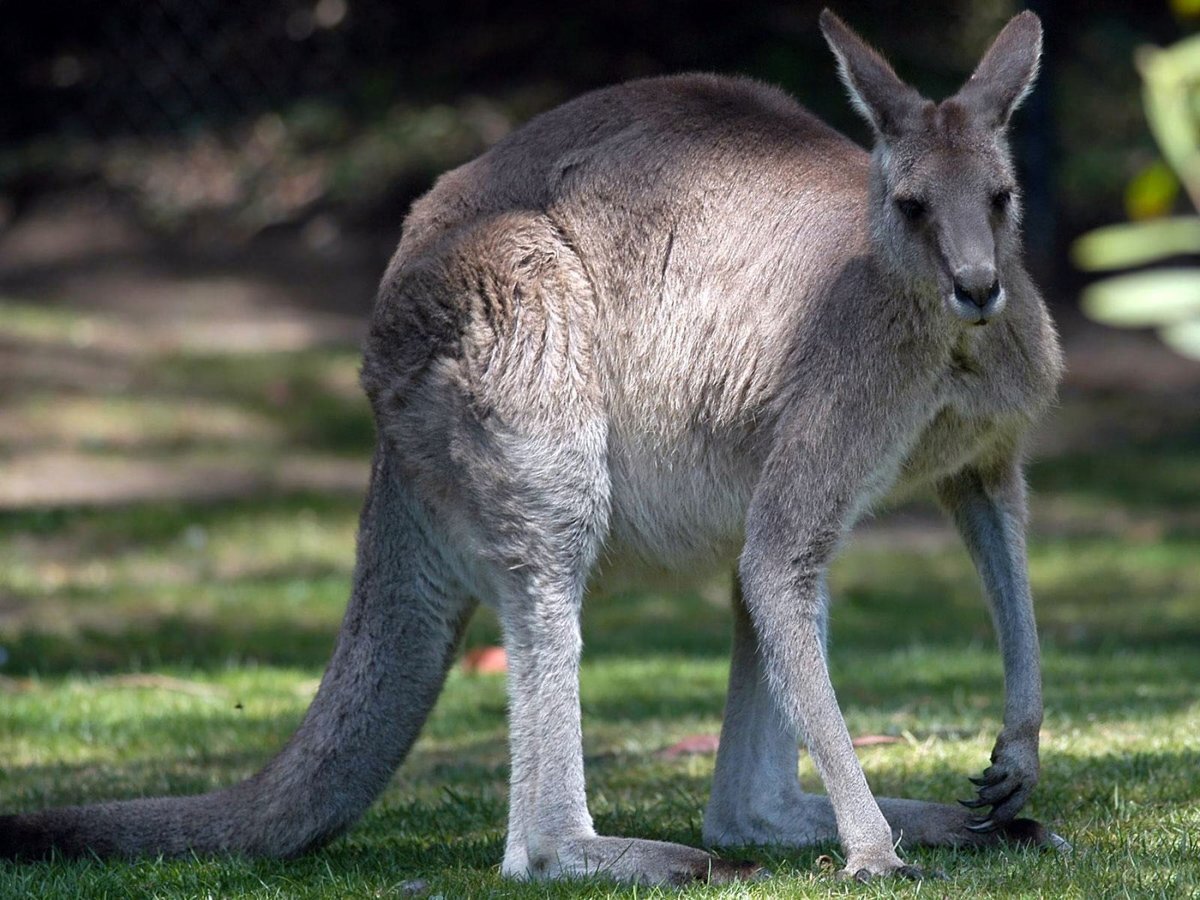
(1005,785)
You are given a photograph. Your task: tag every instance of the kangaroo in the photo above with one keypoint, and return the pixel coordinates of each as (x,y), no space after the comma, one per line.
(675,324)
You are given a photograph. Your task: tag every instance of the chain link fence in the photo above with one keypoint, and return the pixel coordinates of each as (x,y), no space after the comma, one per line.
(145,67)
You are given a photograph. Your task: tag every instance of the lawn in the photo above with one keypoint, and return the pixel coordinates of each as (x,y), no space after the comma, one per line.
(166,635)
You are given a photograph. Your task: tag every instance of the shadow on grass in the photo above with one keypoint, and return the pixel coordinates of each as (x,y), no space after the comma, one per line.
(291,389)
(175,641)
(461,833)
(1142,478)
(154,524)
(1140,452)
(301,393)
(892,646)
(197,769)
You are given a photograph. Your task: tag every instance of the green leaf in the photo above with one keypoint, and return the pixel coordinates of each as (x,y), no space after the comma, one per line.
(1170,78)
(1183,337)
(1121,246)
(1160,297)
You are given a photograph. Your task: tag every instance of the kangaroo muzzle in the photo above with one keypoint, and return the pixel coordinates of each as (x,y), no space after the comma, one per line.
(976,294)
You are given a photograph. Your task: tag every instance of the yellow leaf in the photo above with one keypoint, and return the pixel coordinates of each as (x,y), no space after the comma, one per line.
(1152,192)
(1186,9)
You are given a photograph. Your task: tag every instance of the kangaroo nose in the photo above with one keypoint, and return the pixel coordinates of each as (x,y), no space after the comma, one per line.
(976,288)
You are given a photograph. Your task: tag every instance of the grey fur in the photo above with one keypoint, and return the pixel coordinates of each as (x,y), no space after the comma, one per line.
(675,324)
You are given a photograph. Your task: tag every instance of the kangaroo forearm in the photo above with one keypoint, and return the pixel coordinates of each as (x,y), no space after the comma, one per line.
(1000,556)
(989,514)
(989,510)
(1021,656)
(1002,562)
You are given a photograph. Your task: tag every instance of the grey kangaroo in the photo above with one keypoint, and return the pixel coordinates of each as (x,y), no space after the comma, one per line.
(675,324)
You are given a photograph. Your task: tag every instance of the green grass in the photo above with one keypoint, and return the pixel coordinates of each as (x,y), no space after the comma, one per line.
(225,610)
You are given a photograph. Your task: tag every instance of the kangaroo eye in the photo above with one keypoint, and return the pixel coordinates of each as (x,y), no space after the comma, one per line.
(911,208)
(1001,199)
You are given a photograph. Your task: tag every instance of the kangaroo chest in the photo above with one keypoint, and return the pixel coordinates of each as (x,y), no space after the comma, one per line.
(982,401)
(679,501)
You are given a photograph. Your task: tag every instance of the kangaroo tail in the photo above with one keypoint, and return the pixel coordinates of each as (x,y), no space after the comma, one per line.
(395,645)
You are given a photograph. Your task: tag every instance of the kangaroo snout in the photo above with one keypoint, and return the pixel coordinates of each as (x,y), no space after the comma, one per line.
(978,295)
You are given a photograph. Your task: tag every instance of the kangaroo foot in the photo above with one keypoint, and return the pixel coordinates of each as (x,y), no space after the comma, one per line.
(1020,832)
(636,861)
(868,866)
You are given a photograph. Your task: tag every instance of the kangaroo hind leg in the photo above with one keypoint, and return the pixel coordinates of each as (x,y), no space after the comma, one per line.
(546,522)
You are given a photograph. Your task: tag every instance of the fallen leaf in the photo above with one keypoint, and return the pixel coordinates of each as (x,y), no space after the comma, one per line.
(875,740)
(695,744)
(485,661)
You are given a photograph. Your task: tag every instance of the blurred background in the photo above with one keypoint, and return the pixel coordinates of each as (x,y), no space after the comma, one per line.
(197,198)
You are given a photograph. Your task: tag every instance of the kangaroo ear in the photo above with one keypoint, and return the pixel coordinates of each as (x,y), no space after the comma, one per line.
(1006,73)
(886,102)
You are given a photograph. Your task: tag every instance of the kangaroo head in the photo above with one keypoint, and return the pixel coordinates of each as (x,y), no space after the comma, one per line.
(944,202)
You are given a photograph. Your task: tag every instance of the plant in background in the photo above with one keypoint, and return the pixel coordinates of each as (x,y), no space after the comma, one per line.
(1168,297)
